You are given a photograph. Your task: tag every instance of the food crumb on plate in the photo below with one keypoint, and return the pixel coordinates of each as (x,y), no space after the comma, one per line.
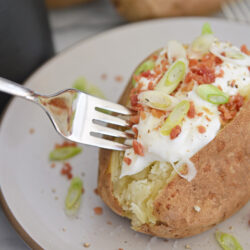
(109,222)
(98,210)
(118,78)
(230,227)
(31,131)
(67,170)
(120,249)
(64,229)
(187,246)
(53,190)
(56,198)
(52,165)
(85,244)
(104,76)
(96,191)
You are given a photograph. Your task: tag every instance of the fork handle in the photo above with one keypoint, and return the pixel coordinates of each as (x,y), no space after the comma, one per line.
(13,88)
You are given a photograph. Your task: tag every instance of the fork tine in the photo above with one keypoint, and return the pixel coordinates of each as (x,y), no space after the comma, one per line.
(114,107)
(103,143)
(99,116)
(96,128)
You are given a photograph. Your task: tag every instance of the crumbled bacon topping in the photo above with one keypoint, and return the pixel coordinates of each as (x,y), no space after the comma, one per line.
(65,144)
(157,113)
(98,210)
(230,109)
(245,50)
(201,129)
(138,148)
(127,160)
(175,132)
(191,111)
(67,170)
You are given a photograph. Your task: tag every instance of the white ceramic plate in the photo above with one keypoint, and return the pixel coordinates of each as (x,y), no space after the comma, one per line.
(28,181)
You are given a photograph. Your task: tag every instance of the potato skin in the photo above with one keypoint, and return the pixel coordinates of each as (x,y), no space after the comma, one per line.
(135,10)
(220,188)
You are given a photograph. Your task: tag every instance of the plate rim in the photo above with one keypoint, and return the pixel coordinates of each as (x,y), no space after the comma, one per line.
(28,240)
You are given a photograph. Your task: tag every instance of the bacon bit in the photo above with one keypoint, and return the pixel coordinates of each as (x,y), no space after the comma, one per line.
(230,109)
(249,223)
(31,131)
(66,170)
(146,74)
(134,100)
(191,111)
(219,87)
(223,53)
(201,129)
(188,87)
(143,115)
(154,57)
(157,113)
(151,86)
(134,119)
(208,119)
(232,84)
(248,68)
(58,102)
(52,165)
(157,70)
(98,210)
(120,249)
(135,130)
(192,62)
(175,132)
(127,160)
(200,114)
(245,50)
(96,191)
(119,78)
(137,89)
(138,148)
(221,74)
(109,222)
(104,76)
(65,144)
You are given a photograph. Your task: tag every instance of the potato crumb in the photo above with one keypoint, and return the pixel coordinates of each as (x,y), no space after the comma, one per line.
(86,244)
(31,131)
(187,246)
(98,210)
(197,209)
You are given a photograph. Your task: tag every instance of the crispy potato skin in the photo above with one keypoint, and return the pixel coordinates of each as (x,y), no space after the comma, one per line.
(220,188)
(135,10)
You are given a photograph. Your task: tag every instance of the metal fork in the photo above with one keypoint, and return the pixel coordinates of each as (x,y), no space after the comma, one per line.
(238,10)
(77,116)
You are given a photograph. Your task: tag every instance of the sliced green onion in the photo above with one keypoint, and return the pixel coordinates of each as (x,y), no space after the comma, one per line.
(88,88)
(212,94)
(227,241)
(173,77)
(83,85)
(235,54)
(175,117)
(201,44)
(73,198)
(206,29)
(155,99)
(175,51)
(61,154)
(147,65)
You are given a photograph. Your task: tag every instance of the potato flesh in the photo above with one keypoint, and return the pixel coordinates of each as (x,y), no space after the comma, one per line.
(137,193)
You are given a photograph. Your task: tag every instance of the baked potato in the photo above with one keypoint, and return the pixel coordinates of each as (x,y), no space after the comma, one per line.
(135,10)
(147,183)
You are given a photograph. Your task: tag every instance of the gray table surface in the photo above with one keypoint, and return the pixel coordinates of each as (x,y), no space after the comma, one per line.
(68,27)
